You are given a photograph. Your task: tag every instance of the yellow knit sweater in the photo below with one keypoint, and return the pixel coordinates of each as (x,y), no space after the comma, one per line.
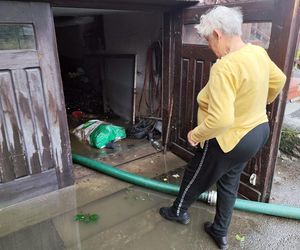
(234,100)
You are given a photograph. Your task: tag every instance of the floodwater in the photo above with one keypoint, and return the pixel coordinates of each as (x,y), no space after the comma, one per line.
(121,147)
(129,220)
(128,217)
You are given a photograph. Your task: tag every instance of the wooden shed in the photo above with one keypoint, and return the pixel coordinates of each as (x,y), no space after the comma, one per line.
(35,151)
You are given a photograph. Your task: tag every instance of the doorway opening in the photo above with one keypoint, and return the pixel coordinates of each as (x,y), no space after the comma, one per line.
(104,59)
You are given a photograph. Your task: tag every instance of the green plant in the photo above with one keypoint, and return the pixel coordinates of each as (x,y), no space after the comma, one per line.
(86,218)
(290,142)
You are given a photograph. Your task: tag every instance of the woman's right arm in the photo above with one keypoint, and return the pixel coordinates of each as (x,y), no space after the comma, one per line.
(276,82)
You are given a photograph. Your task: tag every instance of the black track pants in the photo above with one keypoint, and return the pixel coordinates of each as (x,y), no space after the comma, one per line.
(211,165)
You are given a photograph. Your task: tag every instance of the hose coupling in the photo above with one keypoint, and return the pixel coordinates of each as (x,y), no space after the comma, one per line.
(212,198)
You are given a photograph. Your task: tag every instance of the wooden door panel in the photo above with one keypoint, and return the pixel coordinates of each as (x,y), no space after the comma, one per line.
(26,120)
(184,101)
(12,60)
(53,91)
(41,123)
(195,62)
(11,130)
(34,136)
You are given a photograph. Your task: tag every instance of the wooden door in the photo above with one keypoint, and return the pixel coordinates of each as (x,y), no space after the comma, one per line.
(186,71)
(34,137)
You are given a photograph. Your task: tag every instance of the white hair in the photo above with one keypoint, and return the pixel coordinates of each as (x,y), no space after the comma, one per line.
(227,20)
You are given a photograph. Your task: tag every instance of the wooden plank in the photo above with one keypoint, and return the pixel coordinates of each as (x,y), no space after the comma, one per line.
(157,5)
(177,72)
(198,51)
(27,187)
(181,152)
(59,132)
(41,124)
(6,172)
(198,77)
(167,73)
(252,193)
(26,120)
(182,117)
(13,132)
(18,59)
(15,12)
(258,11)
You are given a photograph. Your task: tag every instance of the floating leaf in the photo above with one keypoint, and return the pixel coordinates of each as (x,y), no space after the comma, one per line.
(240,237)
(86,218)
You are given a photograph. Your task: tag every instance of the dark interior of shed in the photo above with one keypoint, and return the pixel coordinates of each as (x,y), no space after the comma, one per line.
(100,82)
(85,66)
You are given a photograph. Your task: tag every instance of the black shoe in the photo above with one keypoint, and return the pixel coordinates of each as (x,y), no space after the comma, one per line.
(168,214)
(220,240)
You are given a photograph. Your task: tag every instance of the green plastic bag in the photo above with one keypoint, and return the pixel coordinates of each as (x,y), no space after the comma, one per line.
(106,133)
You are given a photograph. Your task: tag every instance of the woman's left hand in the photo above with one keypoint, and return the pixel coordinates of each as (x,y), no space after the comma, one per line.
(190,140)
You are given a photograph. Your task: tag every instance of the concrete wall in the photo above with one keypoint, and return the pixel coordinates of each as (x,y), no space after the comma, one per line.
(132,33)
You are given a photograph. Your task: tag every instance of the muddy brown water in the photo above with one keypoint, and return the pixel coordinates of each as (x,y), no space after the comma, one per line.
(129,219)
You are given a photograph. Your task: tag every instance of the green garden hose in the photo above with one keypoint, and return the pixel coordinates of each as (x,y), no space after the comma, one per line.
(240,204)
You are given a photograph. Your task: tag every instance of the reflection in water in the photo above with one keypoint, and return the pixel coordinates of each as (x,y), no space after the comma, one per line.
(122,147)
(128,220)
(31,224)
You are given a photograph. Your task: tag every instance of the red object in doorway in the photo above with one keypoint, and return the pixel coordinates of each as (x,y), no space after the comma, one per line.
(294,89)
(78,115)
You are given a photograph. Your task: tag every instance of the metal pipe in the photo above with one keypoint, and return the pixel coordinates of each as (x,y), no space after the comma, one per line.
(240,204)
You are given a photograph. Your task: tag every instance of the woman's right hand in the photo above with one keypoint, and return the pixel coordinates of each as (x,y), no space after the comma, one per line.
(190,140)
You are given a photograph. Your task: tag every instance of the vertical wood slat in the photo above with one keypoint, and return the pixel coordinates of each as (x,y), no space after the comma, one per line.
(189,110)
(198,78)
(167,74)
(59,132)
(183,102)
(27,121)
(36,91)
(11,131)
(176,76)
(6,173)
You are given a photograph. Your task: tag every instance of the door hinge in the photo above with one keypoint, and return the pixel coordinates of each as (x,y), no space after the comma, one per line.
(252,179)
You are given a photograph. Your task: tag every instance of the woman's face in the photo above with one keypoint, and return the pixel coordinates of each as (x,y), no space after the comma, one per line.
(216,43)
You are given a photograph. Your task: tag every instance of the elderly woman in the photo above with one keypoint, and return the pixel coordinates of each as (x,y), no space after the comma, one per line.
(232,121)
